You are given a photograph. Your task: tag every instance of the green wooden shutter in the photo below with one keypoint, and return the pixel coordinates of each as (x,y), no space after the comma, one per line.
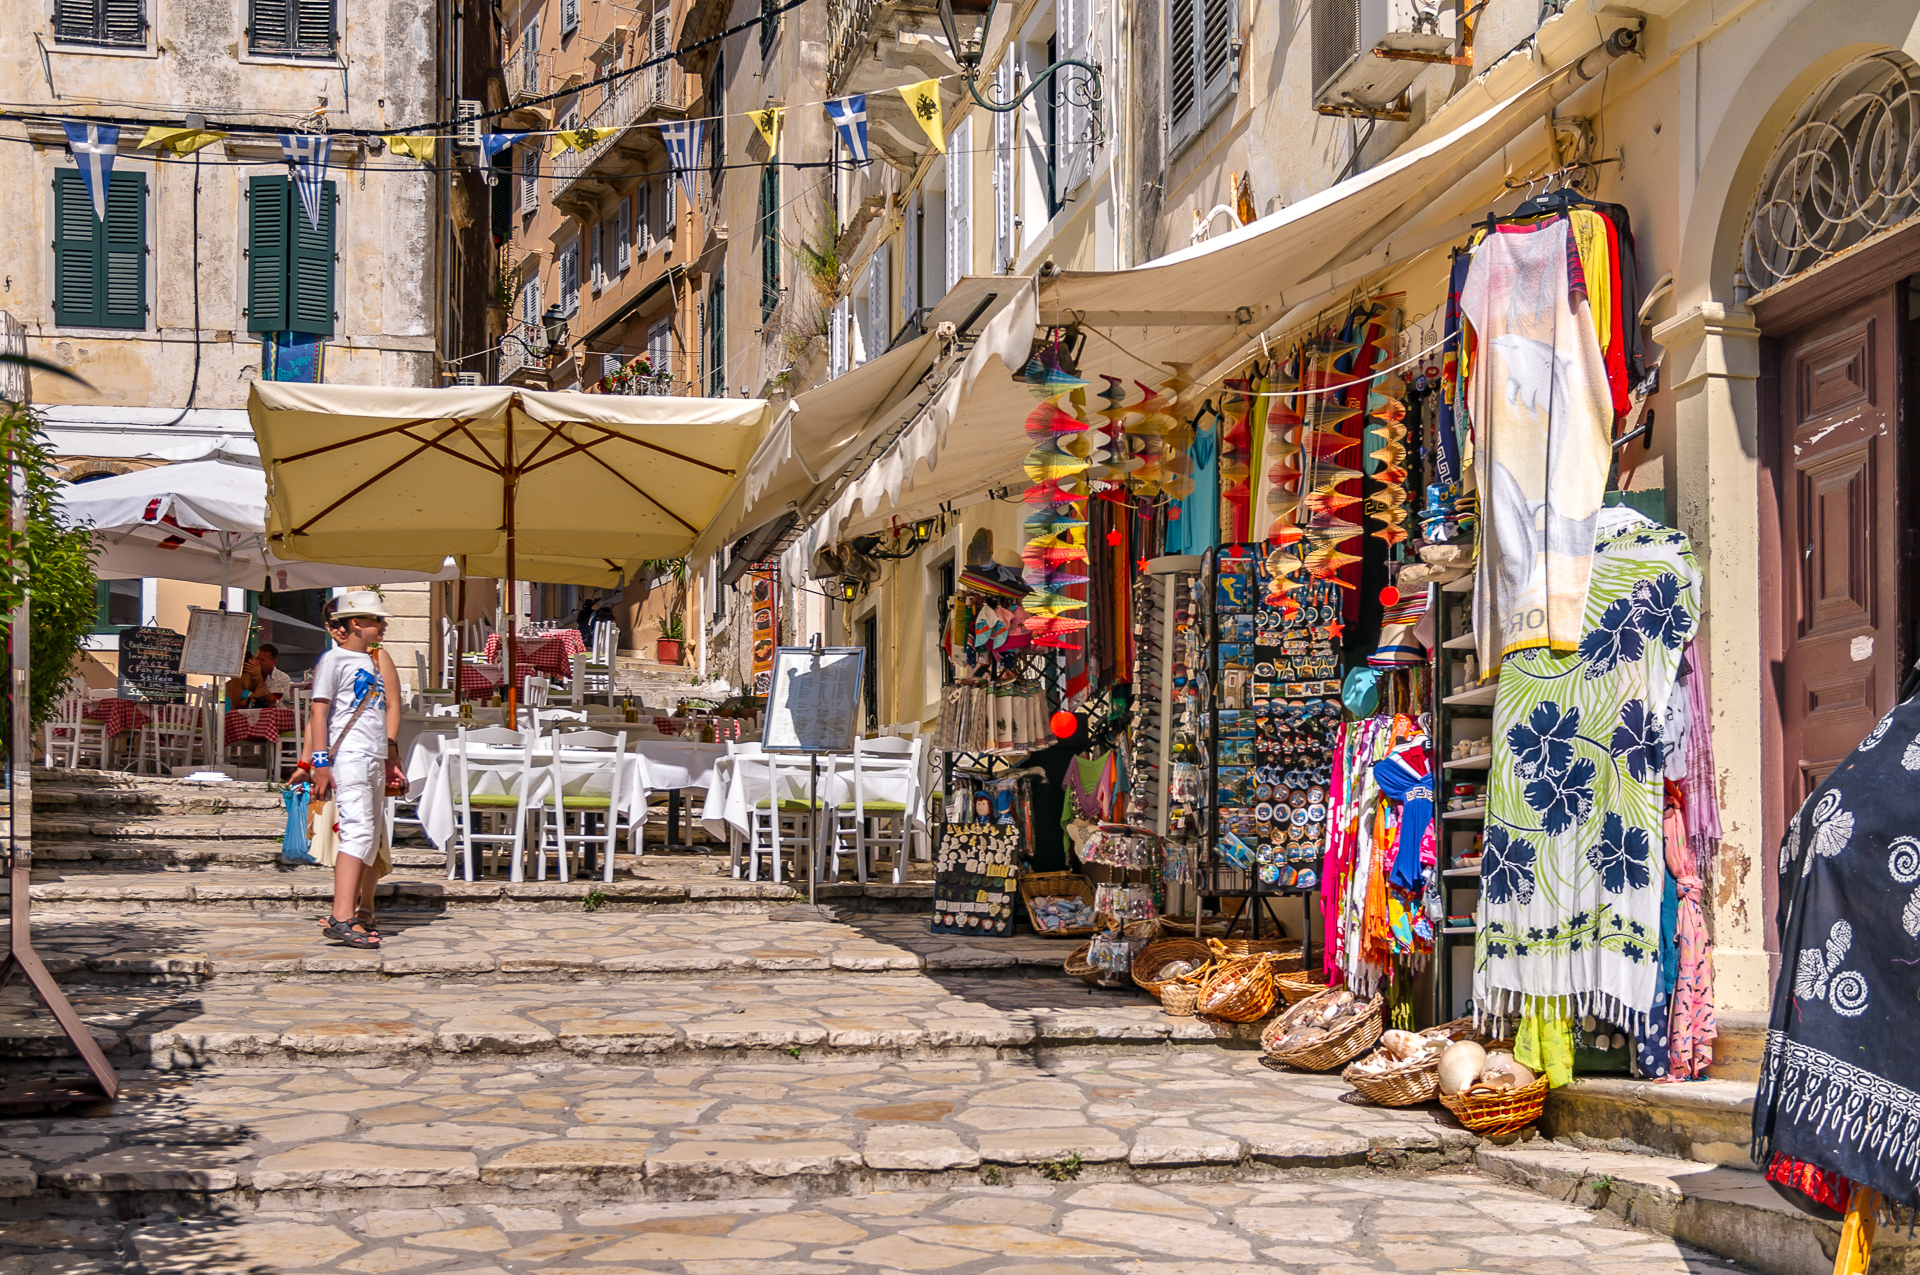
(124,250)
(267,201)
(313,27)
(76,253)
(267,26)
(126,22)
(310,276)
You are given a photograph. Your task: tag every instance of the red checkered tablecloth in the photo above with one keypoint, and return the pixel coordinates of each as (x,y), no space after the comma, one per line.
(477,681)
(552,656)
(118,715)
(258,723)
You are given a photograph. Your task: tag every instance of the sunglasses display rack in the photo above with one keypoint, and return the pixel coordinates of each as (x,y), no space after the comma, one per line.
(1272,679)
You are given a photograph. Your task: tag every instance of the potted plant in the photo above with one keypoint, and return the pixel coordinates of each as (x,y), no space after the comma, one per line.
(673,631)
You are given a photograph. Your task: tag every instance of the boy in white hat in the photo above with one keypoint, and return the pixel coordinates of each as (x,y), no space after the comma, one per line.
(352,746)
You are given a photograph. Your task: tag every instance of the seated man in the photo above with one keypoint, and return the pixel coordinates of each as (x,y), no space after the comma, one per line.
(261,684)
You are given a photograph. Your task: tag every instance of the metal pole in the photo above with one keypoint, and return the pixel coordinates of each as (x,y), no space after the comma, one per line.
(512,627)
(813,823)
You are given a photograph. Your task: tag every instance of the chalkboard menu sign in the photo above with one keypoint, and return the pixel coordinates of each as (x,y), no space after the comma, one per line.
(974,871)
(150,665)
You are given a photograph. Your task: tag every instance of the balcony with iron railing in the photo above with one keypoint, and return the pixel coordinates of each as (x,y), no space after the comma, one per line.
(874,46)
(521,73)
(516,349)
(849,28)
(629,102)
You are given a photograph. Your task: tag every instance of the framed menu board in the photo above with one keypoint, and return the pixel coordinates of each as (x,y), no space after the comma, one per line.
(813,699)
(150,665)
(216,642)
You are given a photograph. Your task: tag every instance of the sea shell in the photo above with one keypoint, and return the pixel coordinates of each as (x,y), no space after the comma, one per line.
(1400,1045)
(1503,1071)
(1460,1066)
(1173,970)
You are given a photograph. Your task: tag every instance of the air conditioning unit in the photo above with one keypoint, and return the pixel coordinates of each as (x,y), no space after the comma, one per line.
(466,128)
(1366,52)
(467,380)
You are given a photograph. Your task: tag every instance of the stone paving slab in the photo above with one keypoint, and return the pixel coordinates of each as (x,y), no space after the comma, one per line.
(1308,1224)
(563,941)
(506,1129)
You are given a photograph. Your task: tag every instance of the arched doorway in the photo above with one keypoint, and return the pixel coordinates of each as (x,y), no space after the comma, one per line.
(1830,243)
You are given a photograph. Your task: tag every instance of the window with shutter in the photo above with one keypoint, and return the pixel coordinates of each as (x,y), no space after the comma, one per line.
(837,339)
(569,15)
(769,25)
(100,267)
(879,320)
(959,205)
(769,239)
(310,277)
(530,57)
(1003,171)
(716,85)
(623,236)
(596,241)
(609,364)
(530,301)
(661,46)
(568,262)
(717,337)
(1074,153)
(290,262)
(115,23)
(1201,69)
(642,231)
(915,227)
(660,347)
(292,28)
(530,177)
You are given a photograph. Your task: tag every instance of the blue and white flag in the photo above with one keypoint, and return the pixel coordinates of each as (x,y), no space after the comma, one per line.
(491,144)
(684,139)
(307,154)
(94,146)
(849,116)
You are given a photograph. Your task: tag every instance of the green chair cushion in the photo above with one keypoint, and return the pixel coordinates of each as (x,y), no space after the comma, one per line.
(497,800)
(586,803)
(792,804)
(880,807)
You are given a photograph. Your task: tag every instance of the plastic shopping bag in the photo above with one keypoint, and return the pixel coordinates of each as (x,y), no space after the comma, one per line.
(293,842)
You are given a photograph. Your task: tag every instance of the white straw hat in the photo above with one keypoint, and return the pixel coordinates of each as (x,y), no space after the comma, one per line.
(363,602)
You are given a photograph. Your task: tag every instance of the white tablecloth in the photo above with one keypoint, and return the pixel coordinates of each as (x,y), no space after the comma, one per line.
(658,764)
(741,782)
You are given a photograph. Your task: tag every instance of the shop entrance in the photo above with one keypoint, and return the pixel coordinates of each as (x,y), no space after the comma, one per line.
(1844,514)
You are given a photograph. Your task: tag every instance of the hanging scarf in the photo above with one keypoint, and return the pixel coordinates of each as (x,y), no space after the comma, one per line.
(1573,875)
(1840,1079)
(1691,1028)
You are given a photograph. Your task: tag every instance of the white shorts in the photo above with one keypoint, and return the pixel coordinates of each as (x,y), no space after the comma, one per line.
(360,790)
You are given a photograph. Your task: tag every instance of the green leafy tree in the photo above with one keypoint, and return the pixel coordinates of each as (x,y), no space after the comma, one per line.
(50,563)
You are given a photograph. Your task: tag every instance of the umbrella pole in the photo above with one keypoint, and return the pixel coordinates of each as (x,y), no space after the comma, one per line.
(512,625)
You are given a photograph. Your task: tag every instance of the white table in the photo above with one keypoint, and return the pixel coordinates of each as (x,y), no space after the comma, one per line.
(740,783)
(661,764)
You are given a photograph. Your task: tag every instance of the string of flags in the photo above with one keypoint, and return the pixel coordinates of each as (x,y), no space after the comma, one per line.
(96,145)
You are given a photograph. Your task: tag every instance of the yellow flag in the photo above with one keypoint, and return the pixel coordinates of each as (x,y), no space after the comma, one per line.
(576,139)
(179,141)
(923,99)
(768,122)
(421,148)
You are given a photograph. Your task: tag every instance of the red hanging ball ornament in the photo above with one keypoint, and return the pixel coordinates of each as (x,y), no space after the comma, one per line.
(1064,724)
(1389,596)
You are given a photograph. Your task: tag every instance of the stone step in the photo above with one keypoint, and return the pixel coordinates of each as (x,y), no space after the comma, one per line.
(112,860)
(1724,1210)
(1705,1121)
(151,796)
(228,879)
(239,950)
(246,826)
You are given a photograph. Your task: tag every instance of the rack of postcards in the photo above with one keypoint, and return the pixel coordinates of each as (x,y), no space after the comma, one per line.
(1272,677)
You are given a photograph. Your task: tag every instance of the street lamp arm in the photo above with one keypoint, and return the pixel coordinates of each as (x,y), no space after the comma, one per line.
(1089,86)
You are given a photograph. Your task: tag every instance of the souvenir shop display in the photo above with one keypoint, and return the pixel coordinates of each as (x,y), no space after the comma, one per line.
(1237,989)
(1059,905)
(975,866)
(1405,1069)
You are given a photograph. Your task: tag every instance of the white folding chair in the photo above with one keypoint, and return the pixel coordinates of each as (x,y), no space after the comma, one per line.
(171,736)
(539,687)
(779,818)
(573,790)
(869,821)
(68,735)
(285,752)
(507,784)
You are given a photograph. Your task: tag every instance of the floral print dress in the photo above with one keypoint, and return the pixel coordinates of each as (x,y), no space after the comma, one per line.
(1573,876)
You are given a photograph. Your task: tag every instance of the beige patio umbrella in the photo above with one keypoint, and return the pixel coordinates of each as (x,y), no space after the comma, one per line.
(563,488)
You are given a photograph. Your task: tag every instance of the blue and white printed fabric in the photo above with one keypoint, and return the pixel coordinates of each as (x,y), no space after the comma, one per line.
(94,147)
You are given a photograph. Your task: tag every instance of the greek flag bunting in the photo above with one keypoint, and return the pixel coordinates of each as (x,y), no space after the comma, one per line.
(849,116)
(684,139)
(491,144)
(307,154)
(94,146)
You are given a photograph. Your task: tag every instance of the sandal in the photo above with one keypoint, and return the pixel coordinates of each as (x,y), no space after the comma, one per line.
(365,917)
(350,932)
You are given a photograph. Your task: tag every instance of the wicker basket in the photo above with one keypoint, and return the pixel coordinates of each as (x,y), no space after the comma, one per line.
(1282,949)
(1494,1113)
(1177,1000)
(1053,885)
(1080,967)
(1156,954)
(1354,1037)
(1147,928)
(1297,985)
(1401,1088)
(1252,999)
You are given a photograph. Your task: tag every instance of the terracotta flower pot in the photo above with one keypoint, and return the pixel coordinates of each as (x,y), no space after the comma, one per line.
(667,650)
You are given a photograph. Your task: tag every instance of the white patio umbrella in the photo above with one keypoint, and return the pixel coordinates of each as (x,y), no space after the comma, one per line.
(203,521)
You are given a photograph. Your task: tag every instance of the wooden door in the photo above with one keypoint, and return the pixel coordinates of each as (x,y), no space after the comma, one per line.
(1841,525)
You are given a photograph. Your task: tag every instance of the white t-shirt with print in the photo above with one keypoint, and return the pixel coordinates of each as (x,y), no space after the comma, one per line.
(343,678)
